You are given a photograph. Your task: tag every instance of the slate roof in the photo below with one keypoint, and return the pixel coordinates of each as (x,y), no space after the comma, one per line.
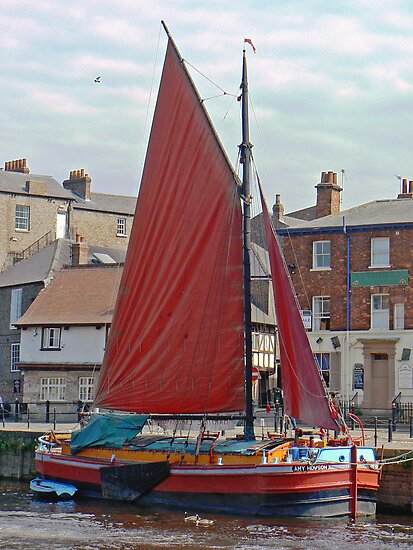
(303,214)
(101,202)
(379,212)
(84,295)
(15,182)
(40,266)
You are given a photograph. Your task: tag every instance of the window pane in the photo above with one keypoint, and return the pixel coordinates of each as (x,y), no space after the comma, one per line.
(323,362)
(22,217)
(398,322)
(380,251)
(121,227)
(86,388)
(321,254)
(321,313)
(51,338)
(380,311)
(53,389)
(15,306)
(15,356)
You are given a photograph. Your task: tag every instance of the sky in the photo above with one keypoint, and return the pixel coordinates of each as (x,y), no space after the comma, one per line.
(331,88)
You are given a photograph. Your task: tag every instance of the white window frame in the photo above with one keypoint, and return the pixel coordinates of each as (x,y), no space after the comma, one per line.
(53,389)
(321,256)
(380,252)
(15,306)
(86,389)
(398,316)
(22,218)
(321,314)
(380,316)
(121,227)
(324,360)
(51,338)
(14,357)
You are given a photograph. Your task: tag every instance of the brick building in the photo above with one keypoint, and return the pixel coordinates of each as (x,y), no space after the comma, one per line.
(100,218)
(35,210)
(350,271)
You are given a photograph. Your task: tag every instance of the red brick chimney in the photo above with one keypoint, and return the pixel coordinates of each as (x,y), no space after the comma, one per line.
(328,195)
(79,183)
(80,251)
(406,190)
(16,166)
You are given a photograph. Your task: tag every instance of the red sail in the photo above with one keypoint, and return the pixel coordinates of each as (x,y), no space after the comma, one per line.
(176,342)
(305,397)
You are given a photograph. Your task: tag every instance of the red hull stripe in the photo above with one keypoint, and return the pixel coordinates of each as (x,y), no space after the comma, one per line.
(263,479)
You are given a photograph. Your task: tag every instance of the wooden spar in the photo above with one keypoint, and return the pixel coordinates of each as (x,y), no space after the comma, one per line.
(245,150)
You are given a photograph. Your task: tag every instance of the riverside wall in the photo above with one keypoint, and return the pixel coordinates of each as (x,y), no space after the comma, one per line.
(17,454)
(396,484)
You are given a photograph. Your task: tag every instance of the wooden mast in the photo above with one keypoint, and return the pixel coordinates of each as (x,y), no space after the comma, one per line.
(245,154)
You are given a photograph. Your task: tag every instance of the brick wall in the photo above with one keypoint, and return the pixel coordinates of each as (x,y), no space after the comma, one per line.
(298,250)
(43,215)
(395,492)
(100,228)
(10,336)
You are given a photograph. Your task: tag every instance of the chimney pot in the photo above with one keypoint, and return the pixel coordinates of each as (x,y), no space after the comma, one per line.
(330,177)
(411,186)
(404,185)
(323,177)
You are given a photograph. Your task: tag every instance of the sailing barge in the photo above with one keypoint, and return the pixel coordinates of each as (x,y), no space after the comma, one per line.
(180,347)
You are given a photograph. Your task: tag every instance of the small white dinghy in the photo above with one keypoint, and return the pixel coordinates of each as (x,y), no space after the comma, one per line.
(48,487)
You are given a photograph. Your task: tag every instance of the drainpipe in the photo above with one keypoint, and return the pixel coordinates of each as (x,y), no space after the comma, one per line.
(348,311)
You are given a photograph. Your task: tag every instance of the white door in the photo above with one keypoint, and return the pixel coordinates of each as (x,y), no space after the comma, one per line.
(61,225)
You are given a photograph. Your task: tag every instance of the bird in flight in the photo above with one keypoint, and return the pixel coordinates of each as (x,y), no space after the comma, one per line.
(97,79)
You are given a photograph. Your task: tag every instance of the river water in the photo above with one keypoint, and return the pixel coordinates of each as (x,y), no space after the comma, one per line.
(27,523)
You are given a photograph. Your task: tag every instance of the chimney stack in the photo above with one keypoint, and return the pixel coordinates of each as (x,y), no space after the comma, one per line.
(18,165)
(406,189)
(278,210)
(328,195)
(79,183)
(80,252)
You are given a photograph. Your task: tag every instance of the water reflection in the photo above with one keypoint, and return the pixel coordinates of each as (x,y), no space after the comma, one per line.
(28,523)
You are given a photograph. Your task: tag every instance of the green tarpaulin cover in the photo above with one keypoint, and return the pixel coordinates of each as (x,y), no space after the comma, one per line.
(107,430)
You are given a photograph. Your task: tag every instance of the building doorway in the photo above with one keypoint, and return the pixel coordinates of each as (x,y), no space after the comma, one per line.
(379,380)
